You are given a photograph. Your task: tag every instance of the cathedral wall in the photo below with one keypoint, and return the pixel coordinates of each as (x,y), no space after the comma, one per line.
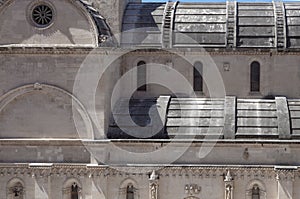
(60,69)
(279,74)
(47,113)
(114,153)
(170,182)
(71,25)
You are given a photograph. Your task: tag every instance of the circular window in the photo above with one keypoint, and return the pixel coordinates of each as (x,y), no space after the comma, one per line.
(42,15)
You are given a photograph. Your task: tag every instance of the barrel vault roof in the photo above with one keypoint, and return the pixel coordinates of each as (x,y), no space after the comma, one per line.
(222,25)
(228,118)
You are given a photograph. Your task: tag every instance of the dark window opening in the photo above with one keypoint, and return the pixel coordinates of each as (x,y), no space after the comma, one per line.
(141,76)
(74,191)
(42,15)
(197,76)
(255,192)
(130,192)
(255,77)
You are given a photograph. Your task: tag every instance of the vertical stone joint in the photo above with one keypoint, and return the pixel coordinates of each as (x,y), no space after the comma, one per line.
(283,118)
(229,117)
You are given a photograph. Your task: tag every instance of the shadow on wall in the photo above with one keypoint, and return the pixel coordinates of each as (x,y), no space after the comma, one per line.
(272,96)
(142,24)
(142,120)
(69,26)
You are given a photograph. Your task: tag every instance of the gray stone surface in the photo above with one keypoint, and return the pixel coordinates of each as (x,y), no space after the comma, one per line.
(133,118)
(105,37)
(189,142)
(230,118)
(231,25)
(283,118)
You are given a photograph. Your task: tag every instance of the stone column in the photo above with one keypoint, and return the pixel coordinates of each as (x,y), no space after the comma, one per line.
(153,185)
(228,179)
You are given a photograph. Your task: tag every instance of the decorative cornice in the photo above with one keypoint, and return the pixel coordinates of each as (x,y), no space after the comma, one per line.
(83,170)
(84,50)
(87,142)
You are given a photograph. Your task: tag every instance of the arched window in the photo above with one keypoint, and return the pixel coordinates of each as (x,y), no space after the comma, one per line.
(141,76)
(255,192)
(255,76)
(130,192)
(129,189)
(197,76)
(74,191)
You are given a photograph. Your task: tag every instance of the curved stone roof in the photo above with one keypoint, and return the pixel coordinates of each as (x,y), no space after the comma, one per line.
(230,118)
(105,37)
(227,25)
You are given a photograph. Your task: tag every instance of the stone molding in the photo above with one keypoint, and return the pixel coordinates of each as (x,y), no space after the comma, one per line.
(84,170)
(79,49)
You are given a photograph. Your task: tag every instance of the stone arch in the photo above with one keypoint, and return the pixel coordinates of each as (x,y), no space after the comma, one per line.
(67,188)
(27,91)
(68,35)
(15,189)
(260,185)
(128,182)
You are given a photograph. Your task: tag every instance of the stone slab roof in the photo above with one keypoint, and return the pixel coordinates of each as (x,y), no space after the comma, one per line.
(222,25)
(228,118)
(105,37)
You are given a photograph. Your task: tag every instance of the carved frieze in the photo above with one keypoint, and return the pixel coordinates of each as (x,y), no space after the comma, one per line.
(192,189)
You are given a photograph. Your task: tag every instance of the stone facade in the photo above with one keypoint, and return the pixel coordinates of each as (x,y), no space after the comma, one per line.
(191,182)
(75,123)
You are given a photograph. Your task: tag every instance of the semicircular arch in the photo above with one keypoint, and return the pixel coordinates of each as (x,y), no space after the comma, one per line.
(77,109)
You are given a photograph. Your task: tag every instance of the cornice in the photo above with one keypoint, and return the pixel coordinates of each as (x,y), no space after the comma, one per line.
(57,50)
(86,142)
(41,142)
(85,170)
